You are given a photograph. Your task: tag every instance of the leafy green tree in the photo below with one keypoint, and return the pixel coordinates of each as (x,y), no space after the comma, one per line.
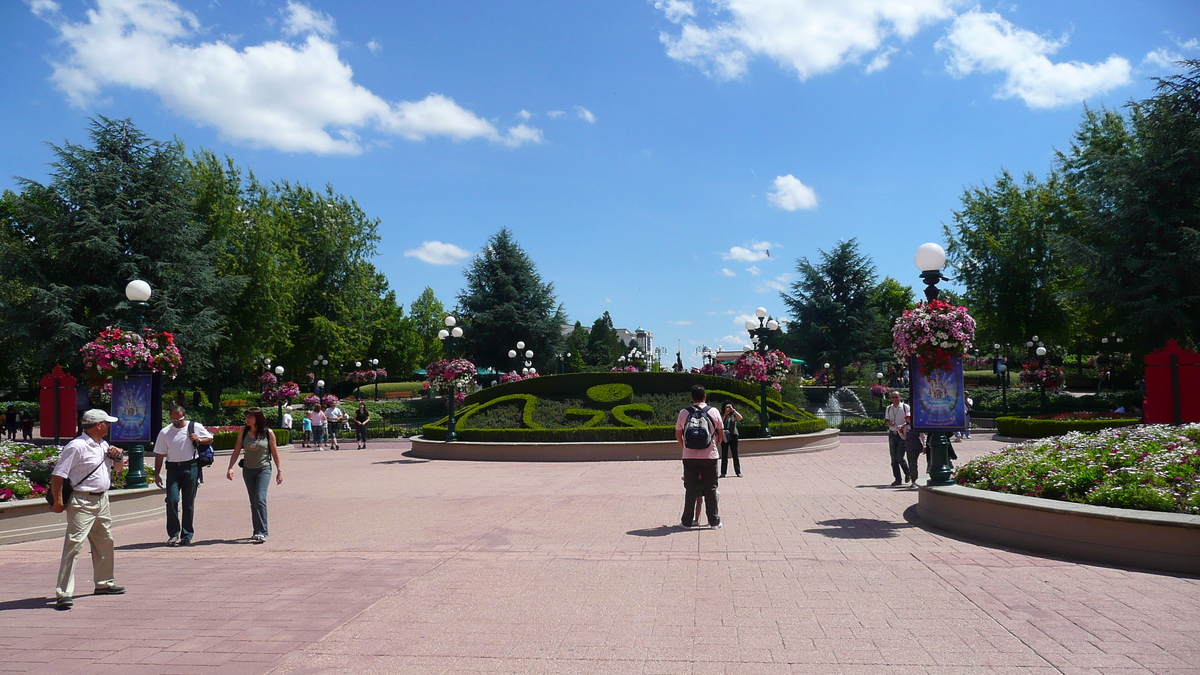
(833,317)
(603,344)
(1138,178)
(504,302)
(576,346)
(113,211)
(427,315)
(1001,245)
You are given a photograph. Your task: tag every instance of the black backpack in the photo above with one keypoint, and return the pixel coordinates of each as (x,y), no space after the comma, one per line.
(204,451)
(698,429)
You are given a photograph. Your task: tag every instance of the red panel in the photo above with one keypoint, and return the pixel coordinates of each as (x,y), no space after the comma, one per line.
(1160,402)
(66,404)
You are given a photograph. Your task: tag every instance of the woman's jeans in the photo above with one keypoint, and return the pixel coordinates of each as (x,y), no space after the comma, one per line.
(257,481)
(728,447)
(361,430)
(319,435)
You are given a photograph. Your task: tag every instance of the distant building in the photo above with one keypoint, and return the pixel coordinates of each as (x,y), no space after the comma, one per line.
(643,339)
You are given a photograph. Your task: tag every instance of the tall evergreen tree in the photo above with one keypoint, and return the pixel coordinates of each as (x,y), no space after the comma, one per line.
(427,314)
(833,318)
(1138,177)
(115,211)
(504,302)
(603,344)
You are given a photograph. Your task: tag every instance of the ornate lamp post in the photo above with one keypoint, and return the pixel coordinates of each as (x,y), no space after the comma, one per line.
(761,337)
(1040,352)
(930,259)
(138,293)
(375,376)
(279,377)
(449,338)
(521,355)
(1112,360)
(1001,377)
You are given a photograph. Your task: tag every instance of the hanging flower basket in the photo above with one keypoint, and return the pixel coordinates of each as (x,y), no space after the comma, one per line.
(934,332)
(771,367)
(284,393)
(443,375)
(115,351)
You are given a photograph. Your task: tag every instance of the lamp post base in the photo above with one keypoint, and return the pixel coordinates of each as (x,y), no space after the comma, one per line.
(136,476)
(940,470)
(764,417)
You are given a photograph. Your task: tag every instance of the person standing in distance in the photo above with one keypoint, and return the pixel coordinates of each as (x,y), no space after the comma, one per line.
(896,418)
(698,431)
(176,444)
(334,417)
(86,462)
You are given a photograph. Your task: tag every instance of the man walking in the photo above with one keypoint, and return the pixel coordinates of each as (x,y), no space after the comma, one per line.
(176,444)
(698,431)
(896,418)
(86,462)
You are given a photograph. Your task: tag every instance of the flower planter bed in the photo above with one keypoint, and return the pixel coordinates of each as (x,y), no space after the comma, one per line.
(1168,542)
(32,519)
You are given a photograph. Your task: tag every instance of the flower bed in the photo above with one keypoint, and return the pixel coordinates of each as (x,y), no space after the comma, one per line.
(25,470)
(1024,427)
(1152,468)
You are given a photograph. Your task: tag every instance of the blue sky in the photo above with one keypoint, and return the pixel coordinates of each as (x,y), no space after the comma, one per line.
(646,154)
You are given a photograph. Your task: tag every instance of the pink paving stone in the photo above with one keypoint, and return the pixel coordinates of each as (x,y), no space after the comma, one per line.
(477,567)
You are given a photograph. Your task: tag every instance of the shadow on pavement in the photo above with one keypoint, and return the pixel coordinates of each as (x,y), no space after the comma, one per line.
(27,603)
(404,461)
(660,531)
(859,528)
(159,544)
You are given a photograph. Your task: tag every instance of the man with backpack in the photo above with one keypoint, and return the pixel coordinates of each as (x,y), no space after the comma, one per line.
(177,443)
(699,432)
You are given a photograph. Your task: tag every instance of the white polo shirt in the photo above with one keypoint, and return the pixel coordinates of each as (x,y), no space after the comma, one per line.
(175,444)
(79,458)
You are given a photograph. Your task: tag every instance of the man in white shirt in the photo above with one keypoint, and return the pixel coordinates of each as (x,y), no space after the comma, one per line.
(896,418)
(175,444)
(86,462)
(334,417)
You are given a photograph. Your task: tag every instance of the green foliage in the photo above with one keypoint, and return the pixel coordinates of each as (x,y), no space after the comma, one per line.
(368,390)
(603,345)
(1136,176)
(862,424)
(609,393)
(564,403)
(1023,427)
(1026,401)
(504,302)
(833,316)
(1155,468)
(427,314)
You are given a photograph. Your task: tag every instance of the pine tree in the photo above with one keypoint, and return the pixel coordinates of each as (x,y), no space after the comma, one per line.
(504,302)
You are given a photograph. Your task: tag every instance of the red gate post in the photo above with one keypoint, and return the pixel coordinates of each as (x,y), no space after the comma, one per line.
(57,403)
(1172,385)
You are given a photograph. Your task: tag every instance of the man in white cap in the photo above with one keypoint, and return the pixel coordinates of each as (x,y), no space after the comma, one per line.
(86,462)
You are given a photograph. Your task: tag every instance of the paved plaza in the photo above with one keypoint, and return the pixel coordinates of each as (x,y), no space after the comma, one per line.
(381,563)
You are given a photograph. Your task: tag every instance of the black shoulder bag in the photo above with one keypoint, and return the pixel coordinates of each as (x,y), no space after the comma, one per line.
(66,486)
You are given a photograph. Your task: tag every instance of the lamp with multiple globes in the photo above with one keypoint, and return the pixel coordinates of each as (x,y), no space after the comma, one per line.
(449,338)
(761,336)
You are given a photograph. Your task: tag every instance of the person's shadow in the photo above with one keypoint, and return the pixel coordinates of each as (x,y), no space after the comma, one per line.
(158,544)
(859,528)
(660,531)
(27,603)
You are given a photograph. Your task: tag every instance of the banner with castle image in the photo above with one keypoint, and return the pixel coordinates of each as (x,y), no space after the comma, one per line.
(939,397)
(137,405)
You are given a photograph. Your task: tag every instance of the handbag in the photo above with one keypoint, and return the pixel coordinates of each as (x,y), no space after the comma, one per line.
(204,451)
(67,489)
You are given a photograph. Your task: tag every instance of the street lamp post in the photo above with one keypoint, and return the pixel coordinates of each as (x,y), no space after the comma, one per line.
(520,357)
(1041,357)
(1001,377)
(137,292)
(375,376)
(761,337)
(930,259)
(279,376)
(449,337)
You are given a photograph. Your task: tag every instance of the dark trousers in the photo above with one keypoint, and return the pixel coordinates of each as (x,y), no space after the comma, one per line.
(257,481)
(183,480)
(913,448)
(700,480)
(361,431)
(729,446)
(896,450)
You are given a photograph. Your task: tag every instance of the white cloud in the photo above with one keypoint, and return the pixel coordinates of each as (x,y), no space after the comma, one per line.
(585,114)
(296,97)
(807,36)
(43,8)
(300,19)
(791,195)
(675,10)
(779,283)
(741,319)
(438,253)
(555,114)
(758,250)
(753,270)
(374,46)
(882,60)
(525,115)
(680,323)
(1167,58)
(728,272)
(985,42)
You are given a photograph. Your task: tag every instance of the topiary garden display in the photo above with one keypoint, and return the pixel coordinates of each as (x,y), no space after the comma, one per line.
(586,407)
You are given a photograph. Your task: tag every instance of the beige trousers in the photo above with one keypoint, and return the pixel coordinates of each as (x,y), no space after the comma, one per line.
(88,517)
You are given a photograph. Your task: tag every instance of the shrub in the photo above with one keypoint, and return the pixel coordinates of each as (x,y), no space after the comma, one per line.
(1023,427)
(862,424)
(1154,468)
